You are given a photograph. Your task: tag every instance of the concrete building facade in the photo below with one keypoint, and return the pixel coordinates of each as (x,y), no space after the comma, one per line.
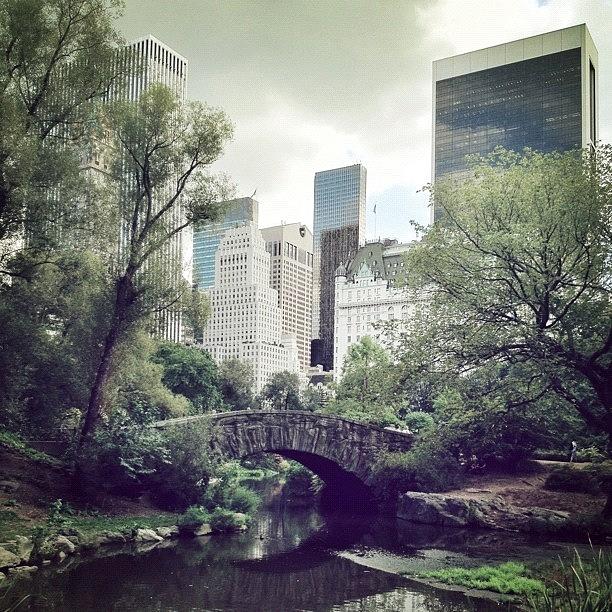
(368,291)
(340,221)
(245,320)
(538,92)
(291,251)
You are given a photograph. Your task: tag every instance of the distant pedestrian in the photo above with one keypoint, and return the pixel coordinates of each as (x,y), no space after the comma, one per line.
(574,449)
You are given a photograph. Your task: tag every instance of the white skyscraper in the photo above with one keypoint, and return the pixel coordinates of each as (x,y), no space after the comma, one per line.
(290,247)
(245,320)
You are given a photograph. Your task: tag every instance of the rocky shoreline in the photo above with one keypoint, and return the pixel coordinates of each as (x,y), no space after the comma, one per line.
(22,556)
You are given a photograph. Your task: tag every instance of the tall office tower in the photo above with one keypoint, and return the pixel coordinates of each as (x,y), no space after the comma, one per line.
(539,92)
(147,61)
(206,238)
(339,205)
(290,247)
(245,320)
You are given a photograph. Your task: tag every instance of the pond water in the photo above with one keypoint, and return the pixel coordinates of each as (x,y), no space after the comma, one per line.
(291,559)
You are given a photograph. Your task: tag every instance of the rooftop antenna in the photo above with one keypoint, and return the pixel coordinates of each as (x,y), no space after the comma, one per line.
(254,193)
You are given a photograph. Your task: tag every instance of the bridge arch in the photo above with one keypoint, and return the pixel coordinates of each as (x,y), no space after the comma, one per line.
(340,451)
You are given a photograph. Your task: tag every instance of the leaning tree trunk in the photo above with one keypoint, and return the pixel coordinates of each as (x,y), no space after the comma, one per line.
(124,298)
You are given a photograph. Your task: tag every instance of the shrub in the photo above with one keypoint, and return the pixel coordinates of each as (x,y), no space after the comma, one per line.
(428,467)
(123,455)
(418,422)
(232,496)
(194,515)
(180,479)
(590,454)
(223,520)
(301,483)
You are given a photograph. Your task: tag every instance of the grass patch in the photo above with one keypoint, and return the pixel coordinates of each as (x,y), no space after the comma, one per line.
(15,443)
(11,525)
(96,524)
(509,578)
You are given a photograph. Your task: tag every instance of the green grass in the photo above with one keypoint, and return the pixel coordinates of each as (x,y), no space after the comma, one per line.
(11,525)
(14,442)
(509,578)
(90,525)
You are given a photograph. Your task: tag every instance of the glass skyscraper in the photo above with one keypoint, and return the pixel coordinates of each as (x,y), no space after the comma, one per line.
(206,238)
(339,205)
(538,92)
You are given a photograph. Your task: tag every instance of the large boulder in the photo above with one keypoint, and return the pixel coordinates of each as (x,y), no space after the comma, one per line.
(8,558)
(146,535)
(168,532)
(488,513)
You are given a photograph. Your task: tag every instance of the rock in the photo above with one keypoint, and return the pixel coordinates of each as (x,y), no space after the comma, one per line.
(8,558)
(202,530)
(168,532)
(9,486)
(494,513)
(110,537)
(23,570)
(146,535)
(23,547)
(63,545)
(434,509)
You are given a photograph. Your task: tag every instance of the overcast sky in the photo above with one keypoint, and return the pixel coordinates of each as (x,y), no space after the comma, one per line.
(317,84)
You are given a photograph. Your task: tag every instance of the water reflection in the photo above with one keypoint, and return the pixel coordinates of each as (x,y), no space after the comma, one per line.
(289,560)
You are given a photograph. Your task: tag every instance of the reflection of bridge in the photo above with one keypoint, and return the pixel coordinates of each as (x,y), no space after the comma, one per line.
(340,451)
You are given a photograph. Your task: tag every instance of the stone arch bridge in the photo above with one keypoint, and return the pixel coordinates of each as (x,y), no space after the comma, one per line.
(340,451)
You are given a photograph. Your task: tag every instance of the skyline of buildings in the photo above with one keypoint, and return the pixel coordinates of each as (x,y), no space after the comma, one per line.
(538,92)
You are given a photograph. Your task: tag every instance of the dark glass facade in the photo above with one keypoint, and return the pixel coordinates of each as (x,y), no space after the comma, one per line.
(533,103)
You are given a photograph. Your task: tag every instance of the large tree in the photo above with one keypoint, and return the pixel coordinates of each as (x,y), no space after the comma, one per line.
(518,272)
(282,391)
(163,150)
(56,57)
(192,373)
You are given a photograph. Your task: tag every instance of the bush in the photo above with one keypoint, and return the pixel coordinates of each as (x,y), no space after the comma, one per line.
(193,516)
(223,520)
(232,496)
(590,454)
(124,455)
(428,467)
(180,479)
(579,479)
(418,422)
